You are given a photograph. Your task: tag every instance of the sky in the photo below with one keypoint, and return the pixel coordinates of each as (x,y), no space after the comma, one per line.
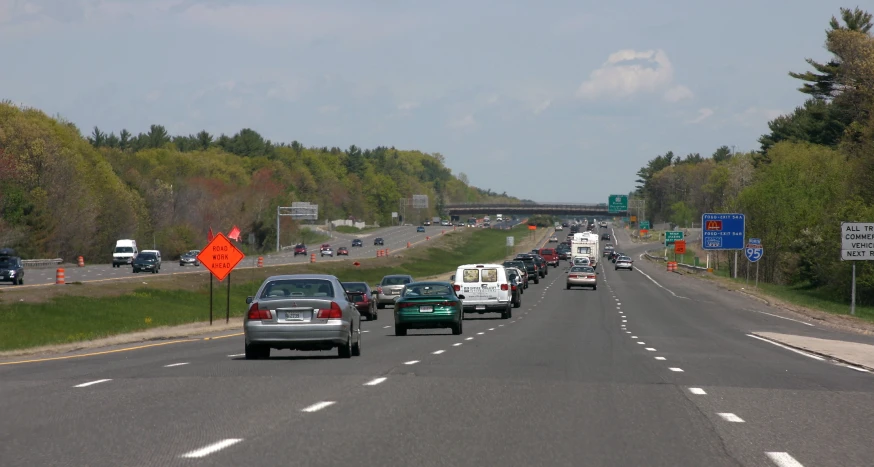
(555,101)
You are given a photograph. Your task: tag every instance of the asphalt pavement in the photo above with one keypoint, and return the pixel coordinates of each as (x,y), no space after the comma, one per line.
(651,369)
(396,238)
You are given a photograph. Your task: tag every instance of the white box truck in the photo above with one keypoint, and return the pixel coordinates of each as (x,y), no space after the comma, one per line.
(124,253)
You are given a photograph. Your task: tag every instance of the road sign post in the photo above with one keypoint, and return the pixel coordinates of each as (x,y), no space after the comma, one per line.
(220,257)
(754,252)
(617,203)
(723,232)
(857,244)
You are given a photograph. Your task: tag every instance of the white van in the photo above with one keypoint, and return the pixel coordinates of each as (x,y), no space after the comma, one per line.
(484,288)
(156,253)
(124,253)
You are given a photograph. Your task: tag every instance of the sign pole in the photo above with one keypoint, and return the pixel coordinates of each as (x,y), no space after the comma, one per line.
(210,299)
(228,310)
(757,274)
(735,264)
(748,273)
(853,292)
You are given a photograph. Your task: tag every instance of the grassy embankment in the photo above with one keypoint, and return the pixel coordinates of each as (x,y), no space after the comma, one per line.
(182,299)
(800,295)
(351,229)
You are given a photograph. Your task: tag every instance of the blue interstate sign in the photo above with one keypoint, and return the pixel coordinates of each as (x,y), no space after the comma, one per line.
(722,231)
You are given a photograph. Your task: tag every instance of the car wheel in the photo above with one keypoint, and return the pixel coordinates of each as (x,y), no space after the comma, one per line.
(196,264)
(536,280)
(568,286)
(356,349)
(631,269)
(380,306)
(345,350)
(595,287)
(517,303)
(257,352)
(400,330)
(373,314)
(456,328)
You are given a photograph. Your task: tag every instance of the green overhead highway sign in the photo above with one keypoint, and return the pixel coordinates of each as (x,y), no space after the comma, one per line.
(672,236)
(644,225)
(617,203)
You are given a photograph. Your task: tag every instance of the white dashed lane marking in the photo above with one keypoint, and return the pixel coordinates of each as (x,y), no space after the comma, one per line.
(456,344)
(678,370)
(783,459)
(411,362)
(237,355)
(175,364)
(697,391)
(318,406)
(90,383)
(469,339)
(660,358)
(730,417)
(438,352)
(215,447)
(374,382)
(651,349)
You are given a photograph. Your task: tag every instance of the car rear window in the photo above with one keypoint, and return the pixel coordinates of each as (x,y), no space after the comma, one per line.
(582,269)
(479,275)
(547,251)
(396,280)
(427,290)
(355,287)
(305,288)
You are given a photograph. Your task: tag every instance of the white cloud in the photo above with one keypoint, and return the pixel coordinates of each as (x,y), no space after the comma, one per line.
(622,75)
(463,123)
(409,105)
(703,114)
(758,117)
(678,93)
(542,107)
(153,95)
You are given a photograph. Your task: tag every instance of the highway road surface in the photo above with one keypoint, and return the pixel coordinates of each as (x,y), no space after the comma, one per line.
(652,369)
(396,238)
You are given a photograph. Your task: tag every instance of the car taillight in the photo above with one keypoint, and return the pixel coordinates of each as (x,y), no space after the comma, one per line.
(505,287)
(379,290)
(330,313)
(513,287)
(573,276)
(591,276)
(256,312)
(456,287)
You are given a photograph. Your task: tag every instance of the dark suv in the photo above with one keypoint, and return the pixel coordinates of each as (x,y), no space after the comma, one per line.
(378,241)
(530,266)
(11,268)
(542,265)
(521,265)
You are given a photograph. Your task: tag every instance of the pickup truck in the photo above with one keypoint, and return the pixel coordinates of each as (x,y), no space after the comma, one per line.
(550,255)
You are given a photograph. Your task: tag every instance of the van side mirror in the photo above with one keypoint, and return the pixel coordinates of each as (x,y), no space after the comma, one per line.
(249,300)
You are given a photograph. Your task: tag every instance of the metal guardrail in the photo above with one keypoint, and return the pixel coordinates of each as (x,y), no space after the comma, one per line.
(660,258)
(41,263)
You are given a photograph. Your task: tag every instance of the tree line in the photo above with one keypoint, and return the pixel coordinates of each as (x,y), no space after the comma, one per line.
(65,195)
(814,170)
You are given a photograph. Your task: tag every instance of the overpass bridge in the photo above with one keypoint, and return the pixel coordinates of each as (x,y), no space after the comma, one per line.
(559,209)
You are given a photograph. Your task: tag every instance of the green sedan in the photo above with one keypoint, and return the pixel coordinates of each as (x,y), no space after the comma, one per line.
(427,305)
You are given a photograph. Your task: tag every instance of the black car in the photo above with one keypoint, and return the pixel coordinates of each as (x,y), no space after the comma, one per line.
(357,242)
(361,294)
(146,262)
(542,265)
(605,237)
(530,266)
(378,241)
(11,268)
(516,286)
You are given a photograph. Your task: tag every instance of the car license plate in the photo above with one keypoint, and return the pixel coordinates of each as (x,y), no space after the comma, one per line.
(426,309)
(293,316)
(480,307)
(395,292)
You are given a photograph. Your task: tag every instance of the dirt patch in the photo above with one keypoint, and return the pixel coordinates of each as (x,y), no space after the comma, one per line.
(160,333)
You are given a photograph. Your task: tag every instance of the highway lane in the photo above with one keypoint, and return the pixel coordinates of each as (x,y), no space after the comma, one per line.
(396,238)
(576,377)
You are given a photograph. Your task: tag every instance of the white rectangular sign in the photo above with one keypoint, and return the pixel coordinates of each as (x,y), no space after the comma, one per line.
(857,241)
(394,214)
(511,241)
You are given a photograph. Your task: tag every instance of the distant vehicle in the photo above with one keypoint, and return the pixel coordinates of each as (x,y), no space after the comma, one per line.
(300,249)
(124,253)
(564,224)
(582,276)
(559,228)
(327,251)
(420,229)
(357,242)
(362,295)
(427,223)
(427,305)
(378,241)
(325,246)
(523,270)
(342,251)
(550,256)
(146,262)
(624,262)
(11,267)
(605,237)
(608,250)
(581,261)
(157,255)
(190,257)
(301,312)
(484,288)
(391,287)
(531,266)
(445,223)
(514,275)
(499,218)
(553,239)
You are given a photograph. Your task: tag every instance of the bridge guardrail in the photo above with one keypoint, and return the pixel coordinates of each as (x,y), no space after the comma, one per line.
(41,263)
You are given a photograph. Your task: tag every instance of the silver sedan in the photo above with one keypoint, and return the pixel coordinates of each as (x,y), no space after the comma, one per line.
(301,312)
(582,276)
(624,262)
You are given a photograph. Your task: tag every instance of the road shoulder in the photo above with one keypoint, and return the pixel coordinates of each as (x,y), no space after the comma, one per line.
(853,353)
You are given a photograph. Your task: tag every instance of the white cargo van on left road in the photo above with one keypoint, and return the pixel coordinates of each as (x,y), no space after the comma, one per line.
(124,253)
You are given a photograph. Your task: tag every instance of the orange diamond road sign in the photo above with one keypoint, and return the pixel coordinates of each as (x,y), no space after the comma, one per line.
(680,247)
(220,256)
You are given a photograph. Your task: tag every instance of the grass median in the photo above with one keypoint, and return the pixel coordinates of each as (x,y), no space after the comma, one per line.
(183,299)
